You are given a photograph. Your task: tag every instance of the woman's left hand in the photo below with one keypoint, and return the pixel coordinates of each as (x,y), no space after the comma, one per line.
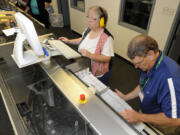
(85,53)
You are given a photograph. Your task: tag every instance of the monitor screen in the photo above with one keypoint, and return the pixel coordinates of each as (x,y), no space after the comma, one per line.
(27,33)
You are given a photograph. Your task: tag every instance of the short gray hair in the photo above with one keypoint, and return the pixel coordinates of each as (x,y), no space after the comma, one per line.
(102,12)
(140,45)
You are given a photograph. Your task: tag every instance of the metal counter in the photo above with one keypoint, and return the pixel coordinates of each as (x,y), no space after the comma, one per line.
(99,116)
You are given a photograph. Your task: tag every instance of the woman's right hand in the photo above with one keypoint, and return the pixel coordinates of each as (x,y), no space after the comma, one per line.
(64,39)
(120,94)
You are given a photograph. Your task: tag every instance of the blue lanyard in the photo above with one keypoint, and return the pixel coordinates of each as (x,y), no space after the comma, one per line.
(144,83)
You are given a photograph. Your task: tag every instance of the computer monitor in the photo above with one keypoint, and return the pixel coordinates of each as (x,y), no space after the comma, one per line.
(27,33)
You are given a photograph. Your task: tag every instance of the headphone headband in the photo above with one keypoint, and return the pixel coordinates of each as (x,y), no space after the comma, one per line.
(102,12)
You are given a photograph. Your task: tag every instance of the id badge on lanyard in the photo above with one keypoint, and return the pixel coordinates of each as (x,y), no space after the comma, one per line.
(144,83)
(141,95)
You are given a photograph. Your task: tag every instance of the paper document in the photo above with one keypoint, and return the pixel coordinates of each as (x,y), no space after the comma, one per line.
(88,78)
(119,105)
(9,32)
(114,101)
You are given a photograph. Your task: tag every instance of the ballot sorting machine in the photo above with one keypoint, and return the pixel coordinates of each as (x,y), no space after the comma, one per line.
(45,99)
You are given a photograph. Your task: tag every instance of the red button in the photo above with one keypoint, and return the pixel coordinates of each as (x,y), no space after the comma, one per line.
(82,97)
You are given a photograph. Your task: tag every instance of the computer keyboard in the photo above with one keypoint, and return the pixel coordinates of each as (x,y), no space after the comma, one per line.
(66,51)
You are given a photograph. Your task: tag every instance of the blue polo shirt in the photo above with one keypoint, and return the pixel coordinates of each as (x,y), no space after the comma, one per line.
(162,91)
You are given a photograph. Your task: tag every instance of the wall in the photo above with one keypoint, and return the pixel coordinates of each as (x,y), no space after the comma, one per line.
(55,6)
(160,25)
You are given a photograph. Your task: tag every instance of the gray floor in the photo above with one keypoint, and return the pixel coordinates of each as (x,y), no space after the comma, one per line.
(124,77)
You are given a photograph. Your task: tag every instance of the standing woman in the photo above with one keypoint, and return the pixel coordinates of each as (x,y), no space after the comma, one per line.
(38,11)
(96,43)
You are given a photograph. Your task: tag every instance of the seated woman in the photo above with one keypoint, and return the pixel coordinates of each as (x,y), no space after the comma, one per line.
(96,43)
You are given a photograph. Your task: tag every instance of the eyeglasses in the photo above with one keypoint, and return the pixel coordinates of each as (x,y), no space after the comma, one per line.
(137,64)
(94,19)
